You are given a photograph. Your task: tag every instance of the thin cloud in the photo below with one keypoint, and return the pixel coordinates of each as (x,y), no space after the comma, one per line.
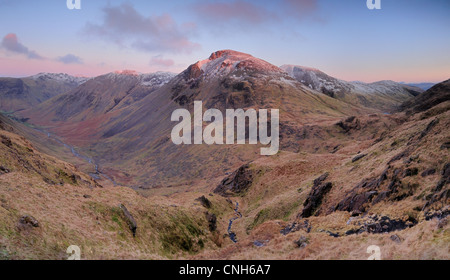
(238,11)
(11,43)
(70,59)
(301,7)
(126,27)
(247,13)
(160,61)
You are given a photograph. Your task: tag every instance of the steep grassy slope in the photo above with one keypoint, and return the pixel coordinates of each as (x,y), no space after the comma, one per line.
(430,98)
(46,205)
(17,94)
(387,184)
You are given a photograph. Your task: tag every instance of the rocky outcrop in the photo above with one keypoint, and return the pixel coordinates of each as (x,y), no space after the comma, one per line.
(204,202)
(4,170)
(445,146)
(6,141)
(351,123)
(428,172)
(296,226)
(441,193)
(358,157)
(388,186)
(129,219)
(212,221)
(429,127)
(445,177)
(315,197)
(356,203)
(362,194)
(437,214)
(382,224)
(237,183)
(193,72)
(410,172)
(401,155)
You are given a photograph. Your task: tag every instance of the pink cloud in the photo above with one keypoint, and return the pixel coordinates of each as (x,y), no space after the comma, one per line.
(11,43)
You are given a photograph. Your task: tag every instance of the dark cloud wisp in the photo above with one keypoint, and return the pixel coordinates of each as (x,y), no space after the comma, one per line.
(125,26)
(70,59)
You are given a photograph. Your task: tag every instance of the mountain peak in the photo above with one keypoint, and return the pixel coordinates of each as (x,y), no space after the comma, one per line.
(222,53)
(225,62)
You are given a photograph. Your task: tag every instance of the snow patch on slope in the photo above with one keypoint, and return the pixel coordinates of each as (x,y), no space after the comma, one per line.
(145,79)
(60,77)
(226,62)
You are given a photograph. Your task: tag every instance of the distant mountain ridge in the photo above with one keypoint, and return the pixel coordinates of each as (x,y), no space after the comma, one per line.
(101,95)
(424,86)
(382,95)
(126,125)
(123,118)
(18,94)
(433,97)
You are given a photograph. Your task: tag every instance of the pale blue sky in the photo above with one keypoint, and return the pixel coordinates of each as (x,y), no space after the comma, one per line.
(407,40)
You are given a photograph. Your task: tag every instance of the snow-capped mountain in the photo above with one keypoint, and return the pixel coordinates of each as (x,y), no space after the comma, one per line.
(103,94)
(383,95)
(18,94)
(227,62)
(60,77)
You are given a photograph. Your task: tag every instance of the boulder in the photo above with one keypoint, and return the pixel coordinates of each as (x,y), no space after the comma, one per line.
(27,222)
(30,220)
(358,157)
(396,238)
(3,170)
(302,242)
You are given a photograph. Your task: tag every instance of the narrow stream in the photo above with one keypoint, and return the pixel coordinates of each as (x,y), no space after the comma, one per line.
(97,175)
(238,215)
